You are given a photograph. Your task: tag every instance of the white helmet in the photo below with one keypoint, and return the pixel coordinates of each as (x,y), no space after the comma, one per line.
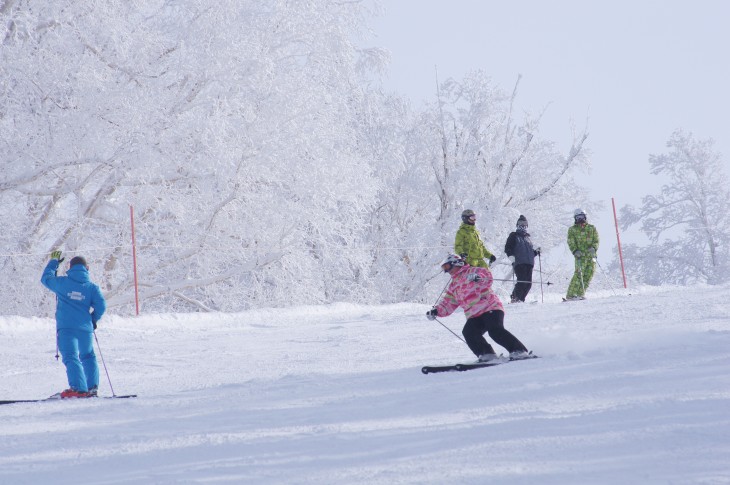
(453,260)
(577,212)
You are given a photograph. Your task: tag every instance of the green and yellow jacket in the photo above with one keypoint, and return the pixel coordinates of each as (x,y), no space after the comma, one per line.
(470,243)
(581,237)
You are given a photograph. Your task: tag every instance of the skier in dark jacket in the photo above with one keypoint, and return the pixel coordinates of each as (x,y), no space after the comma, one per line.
(520,251)
(76,298)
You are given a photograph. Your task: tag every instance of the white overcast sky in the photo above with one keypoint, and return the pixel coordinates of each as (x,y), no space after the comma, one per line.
(634,70)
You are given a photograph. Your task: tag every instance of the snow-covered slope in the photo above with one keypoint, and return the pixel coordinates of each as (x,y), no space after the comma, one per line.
(630,389)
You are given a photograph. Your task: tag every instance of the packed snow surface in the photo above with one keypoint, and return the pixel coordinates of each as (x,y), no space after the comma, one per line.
(631,388)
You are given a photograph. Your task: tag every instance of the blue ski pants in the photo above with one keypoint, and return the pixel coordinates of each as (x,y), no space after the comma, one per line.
(77,351)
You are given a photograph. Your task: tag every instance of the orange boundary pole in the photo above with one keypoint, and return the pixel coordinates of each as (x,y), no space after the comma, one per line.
(134,261)
(618,238)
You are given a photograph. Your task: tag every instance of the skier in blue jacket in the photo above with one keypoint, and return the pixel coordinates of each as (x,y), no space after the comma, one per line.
(79,306)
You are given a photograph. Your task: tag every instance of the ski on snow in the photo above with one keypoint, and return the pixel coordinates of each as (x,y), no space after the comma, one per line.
(433,369)
(57,397)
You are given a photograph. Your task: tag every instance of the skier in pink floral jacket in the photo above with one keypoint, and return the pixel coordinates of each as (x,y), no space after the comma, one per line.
(471,289)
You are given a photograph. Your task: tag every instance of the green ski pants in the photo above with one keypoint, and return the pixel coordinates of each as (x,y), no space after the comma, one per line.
(584,269)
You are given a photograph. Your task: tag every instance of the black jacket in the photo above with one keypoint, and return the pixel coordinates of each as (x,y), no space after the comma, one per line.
(520,246)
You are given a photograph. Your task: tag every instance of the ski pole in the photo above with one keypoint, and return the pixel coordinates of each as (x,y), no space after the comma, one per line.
(447,328)
(548,283)
(439,321)
(580,271)
(104,363)
(521,281)
(605,276)
(442,292)
(55,273)
(542,294)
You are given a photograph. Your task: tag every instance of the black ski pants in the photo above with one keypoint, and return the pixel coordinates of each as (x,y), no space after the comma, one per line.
(523,273)
(493,323)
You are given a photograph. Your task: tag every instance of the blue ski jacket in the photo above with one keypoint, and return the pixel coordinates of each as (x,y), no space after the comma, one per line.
(77,297)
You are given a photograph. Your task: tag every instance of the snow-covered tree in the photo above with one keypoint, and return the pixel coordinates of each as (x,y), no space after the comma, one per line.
(225,124)
(466,150)
(262,168)
(688,222)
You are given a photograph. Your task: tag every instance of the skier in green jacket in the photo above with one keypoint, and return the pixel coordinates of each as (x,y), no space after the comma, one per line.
(469,244)
(583,243)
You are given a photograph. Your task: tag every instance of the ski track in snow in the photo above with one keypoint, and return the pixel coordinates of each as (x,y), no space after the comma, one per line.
(630,389)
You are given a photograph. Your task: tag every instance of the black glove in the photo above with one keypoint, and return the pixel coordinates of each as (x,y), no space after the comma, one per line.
(432,313)
(463,256)
(94,323)
(492,259)
(537,252)
(473,277)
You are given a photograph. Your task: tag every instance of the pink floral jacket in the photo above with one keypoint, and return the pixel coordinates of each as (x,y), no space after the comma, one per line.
(475,297)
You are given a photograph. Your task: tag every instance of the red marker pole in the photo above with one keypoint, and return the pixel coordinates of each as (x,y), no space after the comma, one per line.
(618,238)
(134,261)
